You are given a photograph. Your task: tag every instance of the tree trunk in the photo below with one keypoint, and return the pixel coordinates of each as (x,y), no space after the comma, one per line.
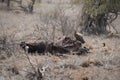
(94,25)
(3,0)
(31,6)
(8,3)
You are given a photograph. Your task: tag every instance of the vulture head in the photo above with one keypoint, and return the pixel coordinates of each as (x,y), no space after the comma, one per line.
(24,46)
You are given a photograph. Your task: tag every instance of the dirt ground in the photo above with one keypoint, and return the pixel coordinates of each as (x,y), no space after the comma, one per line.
(103,63)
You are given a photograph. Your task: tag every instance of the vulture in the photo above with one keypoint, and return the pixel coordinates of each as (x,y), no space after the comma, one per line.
(79,37)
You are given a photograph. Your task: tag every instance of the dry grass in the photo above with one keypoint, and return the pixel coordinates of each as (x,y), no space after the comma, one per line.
(103,63)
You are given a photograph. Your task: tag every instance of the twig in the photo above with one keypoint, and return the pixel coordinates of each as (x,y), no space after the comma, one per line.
(26,53)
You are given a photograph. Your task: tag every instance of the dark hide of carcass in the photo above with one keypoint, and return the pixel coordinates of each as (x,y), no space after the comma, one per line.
(82,51)
(42,47)
(56,49)
(74,46)
(64,45)
(34,47)
(71,45)
(68,43)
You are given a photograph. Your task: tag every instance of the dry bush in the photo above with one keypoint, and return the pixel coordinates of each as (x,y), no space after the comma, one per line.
(27,5)
(56,24)
(66,23)
(7,44)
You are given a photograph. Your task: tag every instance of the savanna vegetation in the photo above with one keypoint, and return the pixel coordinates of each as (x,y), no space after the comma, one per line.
(98,14)
(59,40)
